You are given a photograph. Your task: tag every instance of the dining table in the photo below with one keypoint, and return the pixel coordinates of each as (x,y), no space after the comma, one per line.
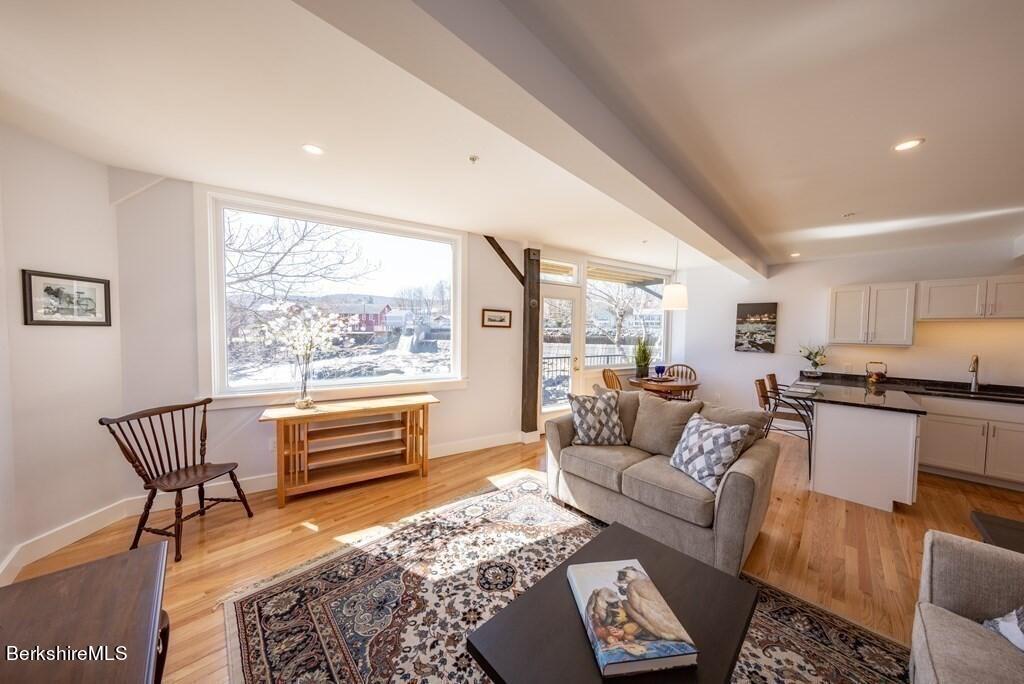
(677,387)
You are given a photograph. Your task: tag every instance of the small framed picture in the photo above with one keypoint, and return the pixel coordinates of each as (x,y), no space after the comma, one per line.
(59,299)
(496,318)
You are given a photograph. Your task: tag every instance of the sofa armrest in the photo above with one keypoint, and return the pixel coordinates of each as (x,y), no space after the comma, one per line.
(558,434)
(741,504)
(972,579)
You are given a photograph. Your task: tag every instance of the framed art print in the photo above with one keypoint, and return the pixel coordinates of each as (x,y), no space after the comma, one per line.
(755,327)
(60,299)
(496,318)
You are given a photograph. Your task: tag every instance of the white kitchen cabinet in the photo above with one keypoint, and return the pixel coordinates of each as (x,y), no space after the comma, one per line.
(891,313)
(954,443)
(872,314)
(1005,451)
(960,298)
(1005,297)
(848,315)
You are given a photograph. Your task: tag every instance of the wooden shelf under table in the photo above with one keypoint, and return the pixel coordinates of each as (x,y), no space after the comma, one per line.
(301,468)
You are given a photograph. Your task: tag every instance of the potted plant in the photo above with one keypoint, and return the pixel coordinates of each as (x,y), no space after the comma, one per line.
(817,356)
(642,357)
(303,332)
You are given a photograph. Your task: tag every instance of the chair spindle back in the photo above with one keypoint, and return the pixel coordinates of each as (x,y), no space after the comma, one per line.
(611,379)
(681,371)
(161,440)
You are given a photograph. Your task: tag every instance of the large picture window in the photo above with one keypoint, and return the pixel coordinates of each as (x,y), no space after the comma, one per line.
(390,293)
(622,307)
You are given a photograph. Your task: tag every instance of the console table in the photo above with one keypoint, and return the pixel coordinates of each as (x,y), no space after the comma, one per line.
(334,444)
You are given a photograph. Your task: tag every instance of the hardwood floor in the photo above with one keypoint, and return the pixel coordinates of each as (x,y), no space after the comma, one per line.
(858,562)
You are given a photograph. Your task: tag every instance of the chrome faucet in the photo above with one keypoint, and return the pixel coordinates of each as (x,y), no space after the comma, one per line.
(973,370)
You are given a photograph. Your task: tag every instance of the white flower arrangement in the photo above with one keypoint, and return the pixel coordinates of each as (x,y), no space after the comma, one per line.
(817,355)
(304,332)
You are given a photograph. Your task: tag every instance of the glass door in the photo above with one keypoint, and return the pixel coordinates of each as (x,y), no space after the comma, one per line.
(560,367)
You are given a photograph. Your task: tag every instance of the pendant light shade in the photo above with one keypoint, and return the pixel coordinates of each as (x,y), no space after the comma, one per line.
(674,296)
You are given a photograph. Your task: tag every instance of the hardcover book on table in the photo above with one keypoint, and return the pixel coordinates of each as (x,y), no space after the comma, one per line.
(630,626)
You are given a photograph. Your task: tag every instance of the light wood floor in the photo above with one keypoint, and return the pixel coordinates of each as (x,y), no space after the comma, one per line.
(858,562)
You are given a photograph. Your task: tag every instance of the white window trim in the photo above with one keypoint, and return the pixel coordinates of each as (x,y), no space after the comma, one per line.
(654,272)
(207,202)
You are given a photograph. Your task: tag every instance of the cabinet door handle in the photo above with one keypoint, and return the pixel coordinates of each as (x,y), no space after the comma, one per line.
(984,429)
(993,431)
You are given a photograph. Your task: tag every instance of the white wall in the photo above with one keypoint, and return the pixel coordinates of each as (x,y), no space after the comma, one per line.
(8,531)
(157,264)
(56,217)
(941,349)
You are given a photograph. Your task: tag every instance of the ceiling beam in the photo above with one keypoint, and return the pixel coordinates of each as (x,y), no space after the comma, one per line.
(479,54)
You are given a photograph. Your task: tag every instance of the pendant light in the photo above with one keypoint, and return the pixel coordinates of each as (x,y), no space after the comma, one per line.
(675,297)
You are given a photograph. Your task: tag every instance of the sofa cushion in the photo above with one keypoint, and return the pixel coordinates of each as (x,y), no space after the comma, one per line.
(951,648)
(629,403)
(755,418)
(707,449)
(1010,626)
(602,465)
(660,423)
(596,420)
(655,483)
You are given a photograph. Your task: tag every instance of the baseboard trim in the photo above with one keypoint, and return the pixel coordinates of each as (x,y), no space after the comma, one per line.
(46,543)
(979,479)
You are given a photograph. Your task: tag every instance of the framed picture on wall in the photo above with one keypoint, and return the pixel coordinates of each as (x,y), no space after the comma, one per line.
(60,299)
(496,318)
(755,327)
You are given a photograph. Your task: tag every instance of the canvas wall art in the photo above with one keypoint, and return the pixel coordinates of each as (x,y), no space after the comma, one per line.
(755,327)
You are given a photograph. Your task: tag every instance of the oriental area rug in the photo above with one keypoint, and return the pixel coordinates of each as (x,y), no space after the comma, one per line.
(398,607)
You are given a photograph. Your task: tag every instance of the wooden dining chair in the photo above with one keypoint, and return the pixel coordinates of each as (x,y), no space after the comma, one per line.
(685,373)
(611,379)
(167,448)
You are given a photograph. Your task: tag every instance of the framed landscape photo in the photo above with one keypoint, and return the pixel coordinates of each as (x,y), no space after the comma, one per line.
(496,318)
(755,327)
(61,299)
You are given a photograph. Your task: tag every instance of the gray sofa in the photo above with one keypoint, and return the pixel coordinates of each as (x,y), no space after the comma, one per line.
(964,582)
(639,488)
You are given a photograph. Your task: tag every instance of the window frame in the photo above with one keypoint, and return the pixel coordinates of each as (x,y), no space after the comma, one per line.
(210,297)
(653,272)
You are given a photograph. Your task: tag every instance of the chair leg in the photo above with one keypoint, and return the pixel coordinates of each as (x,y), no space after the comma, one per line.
(177,526)
(143,518)
(202,501)
(241,494)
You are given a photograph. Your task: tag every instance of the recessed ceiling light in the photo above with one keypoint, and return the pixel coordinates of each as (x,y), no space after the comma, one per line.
(794,254)
(312,149)
(907,144)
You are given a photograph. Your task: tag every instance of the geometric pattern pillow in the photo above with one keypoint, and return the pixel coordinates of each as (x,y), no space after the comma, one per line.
(596,420)
(707,449)
(1010,626)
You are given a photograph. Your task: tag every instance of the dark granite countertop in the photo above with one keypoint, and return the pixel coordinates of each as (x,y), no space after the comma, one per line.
(829,392)
(1009,394)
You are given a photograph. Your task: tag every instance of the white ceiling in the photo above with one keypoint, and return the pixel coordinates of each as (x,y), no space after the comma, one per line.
(226,91)
(783,114)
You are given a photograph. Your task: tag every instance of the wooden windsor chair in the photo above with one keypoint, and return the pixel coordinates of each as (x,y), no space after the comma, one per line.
(611,379)
(683,372)
(167,448)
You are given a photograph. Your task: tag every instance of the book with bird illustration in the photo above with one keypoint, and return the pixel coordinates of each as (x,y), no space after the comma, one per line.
(630,626)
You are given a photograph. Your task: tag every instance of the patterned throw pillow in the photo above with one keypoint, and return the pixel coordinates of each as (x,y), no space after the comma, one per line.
(596,420)
(1010,626)
(707,449)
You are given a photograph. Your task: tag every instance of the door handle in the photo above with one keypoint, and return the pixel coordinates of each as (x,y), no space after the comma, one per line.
(993,432)
(575,363)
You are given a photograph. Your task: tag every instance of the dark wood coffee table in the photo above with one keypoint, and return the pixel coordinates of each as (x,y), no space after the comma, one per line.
(1003,532)
(540,637)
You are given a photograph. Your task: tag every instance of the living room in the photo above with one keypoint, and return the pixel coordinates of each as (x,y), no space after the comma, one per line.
(331,334)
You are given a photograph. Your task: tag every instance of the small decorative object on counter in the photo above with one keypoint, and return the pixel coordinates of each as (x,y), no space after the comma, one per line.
(304,332)
(642,357)
(817,356)
(876,371)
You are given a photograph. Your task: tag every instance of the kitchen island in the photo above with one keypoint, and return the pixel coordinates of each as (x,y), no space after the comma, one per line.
(865,446)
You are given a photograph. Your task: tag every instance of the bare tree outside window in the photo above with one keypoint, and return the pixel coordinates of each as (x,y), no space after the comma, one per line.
(618,314)
(364,275)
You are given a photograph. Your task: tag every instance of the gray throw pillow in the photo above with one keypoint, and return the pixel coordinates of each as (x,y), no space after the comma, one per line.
(1010,626)
(660,422)
(755,418)
(596,420)
(707,449)
(629,404)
